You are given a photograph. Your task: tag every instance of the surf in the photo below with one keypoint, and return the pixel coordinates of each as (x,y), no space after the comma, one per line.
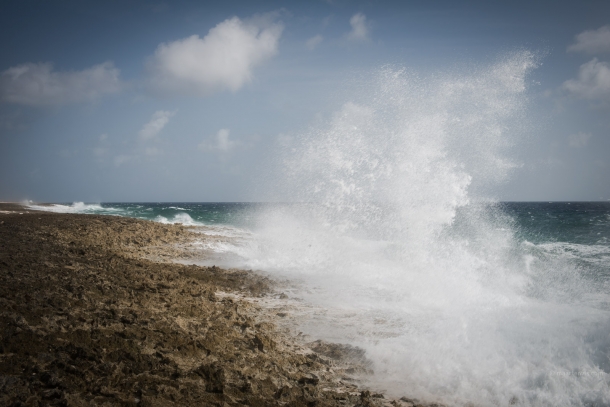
(395,233)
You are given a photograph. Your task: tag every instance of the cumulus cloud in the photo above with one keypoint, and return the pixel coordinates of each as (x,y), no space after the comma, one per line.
(221,142)
(593,81)
(579,140)
(592,41)
(156,124)
(313,42)
(360,28)
(223,59)
(39,85)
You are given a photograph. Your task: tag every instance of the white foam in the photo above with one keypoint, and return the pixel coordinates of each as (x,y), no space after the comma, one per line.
(181,217)
(225,231)
(76,207)
(390,240)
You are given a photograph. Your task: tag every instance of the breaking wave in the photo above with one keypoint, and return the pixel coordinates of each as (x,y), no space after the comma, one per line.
(395,235)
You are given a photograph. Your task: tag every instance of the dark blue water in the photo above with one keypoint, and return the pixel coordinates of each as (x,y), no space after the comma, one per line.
(586,223)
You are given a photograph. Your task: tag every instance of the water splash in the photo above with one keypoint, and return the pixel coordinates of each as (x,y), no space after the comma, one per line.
(393,235)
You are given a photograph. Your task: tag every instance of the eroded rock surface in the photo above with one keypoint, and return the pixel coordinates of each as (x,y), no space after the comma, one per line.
(87,318)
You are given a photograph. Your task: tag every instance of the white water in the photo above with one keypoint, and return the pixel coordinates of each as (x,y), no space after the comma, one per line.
(392,239)
(76,207)
(181,217)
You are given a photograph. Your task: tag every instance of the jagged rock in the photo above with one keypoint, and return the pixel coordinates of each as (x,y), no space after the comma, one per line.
(90,314)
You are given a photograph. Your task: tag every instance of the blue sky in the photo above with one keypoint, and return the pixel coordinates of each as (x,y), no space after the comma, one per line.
(188,101)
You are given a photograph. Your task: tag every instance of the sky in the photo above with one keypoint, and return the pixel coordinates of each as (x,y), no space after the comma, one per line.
(117,101)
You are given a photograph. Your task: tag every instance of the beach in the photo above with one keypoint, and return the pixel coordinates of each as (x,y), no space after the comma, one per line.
(94,310)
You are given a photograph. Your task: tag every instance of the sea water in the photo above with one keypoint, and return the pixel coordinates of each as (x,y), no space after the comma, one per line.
(454,296)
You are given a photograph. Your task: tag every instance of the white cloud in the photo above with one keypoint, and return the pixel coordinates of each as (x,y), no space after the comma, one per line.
(156,124)
(592,41)
(222,142)
(38,85)
(593,81)
(360,29)
(223,59)
(313,42)
(579,140)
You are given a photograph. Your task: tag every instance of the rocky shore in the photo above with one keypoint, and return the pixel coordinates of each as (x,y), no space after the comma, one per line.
(92,312)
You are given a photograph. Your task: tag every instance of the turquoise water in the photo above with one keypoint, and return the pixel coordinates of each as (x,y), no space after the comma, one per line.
(577,233)
(583,223)
(236,214)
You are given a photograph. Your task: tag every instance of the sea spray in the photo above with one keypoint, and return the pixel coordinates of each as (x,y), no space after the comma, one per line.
(392,236)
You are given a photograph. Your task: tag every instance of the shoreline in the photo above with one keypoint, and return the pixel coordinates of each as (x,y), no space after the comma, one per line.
(94,312)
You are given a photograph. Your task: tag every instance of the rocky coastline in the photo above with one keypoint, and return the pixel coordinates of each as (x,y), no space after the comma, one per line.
(93,312)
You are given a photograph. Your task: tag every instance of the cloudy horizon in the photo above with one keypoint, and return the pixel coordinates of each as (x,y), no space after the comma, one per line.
(148,101)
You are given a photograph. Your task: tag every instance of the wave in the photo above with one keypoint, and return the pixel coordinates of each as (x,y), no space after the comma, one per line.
(182,218)
(76,207)
(396,239)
